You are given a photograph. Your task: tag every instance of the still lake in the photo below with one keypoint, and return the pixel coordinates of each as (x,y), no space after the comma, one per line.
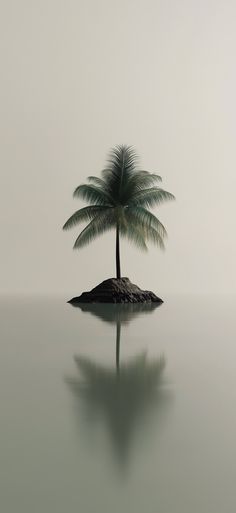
(111,409)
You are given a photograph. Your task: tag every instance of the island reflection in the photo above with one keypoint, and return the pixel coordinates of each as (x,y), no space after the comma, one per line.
(127,395)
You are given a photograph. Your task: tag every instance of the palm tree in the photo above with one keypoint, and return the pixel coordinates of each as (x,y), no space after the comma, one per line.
(121,200)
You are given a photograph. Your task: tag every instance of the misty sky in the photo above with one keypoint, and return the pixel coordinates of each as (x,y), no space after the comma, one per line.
(80,76)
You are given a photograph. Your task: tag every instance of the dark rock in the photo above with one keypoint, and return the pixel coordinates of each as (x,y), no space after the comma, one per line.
(117,290)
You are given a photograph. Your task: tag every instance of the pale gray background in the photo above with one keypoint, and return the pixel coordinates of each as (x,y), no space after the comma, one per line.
(78,77)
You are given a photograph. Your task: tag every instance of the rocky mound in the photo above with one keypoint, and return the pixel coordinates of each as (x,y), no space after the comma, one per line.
(117,290)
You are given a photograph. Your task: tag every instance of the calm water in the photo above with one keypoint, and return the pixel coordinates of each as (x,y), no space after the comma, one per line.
(115,409)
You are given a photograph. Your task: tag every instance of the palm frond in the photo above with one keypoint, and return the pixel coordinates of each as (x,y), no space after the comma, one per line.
(147,219)
(97,181)
(93,194)
(153,236)
(83,214)
(150,197)
(120,216)
(134,234)
(144,179)
(122,163)
(148,232)
(123,155)
(101,223)
(137,182)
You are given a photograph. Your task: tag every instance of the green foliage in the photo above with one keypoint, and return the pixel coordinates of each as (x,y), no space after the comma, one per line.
(121,199)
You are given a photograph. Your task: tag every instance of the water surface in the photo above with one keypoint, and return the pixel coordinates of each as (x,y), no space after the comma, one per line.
(107,409)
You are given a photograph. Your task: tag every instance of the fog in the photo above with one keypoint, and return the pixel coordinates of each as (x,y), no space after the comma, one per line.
(78,77)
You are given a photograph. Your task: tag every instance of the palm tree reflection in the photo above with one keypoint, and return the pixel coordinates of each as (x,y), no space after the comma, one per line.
(119,313)
(123,396)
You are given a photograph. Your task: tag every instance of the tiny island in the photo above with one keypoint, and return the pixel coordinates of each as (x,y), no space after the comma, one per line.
(117,290)
(121,200)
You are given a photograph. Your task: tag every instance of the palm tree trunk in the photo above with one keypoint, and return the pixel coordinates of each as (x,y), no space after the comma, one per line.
(118,251)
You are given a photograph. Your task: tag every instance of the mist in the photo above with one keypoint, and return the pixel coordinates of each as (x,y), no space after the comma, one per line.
(78,78)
